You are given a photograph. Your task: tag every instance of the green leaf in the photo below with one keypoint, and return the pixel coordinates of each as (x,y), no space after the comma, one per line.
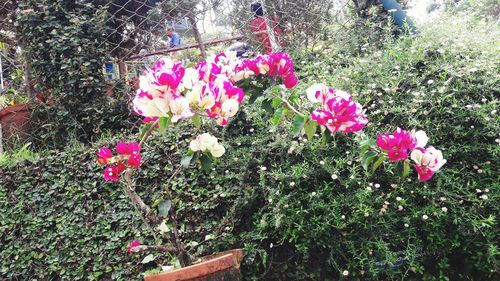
(310,128)
(367,144)
(399,169)
(277,102)
(377,162)
(206,163)
(144,129)
(267,105)
(164,122)
(196,121)
(368,158)
(278,114)
(147,259)
(186,160)
(164,207)
(406,168)
(298,124)
(327,137)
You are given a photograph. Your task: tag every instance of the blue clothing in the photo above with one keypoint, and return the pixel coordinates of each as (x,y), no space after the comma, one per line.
(175,40)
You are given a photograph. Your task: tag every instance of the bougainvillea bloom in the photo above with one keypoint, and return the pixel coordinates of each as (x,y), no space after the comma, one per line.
(428,161)
(132,245)
(424,173)
(104,155)
(207,143)
(112,173)
(397,144)
(339,113)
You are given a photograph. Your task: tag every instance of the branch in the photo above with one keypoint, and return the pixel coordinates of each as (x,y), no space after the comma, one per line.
(154,248)
(289,106)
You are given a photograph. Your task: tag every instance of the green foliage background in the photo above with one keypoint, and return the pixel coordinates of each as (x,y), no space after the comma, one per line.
(274,195)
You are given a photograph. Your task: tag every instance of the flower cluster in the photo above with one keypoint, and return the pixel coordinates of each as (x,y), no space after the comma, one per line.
(128,155)
(207,143)
(339,113)
(428,160)
(274,64)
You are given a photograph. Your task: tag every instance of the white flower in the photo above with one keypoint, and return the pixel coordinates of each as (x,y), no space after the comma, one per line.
(163,228)
(421,138)
(342,217)
(292,184)
(399,198)
(313,193)
(377,185)
(425,217)
(334,177)
(407,225)
(345,273)
(444,209)
(369,188)
(484,197)
(263,168)
(322,162)
(206,142)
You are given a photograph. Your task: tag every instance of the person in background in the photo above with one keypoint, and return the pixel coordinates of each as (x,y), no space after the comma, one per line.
(259,28)
(175,38)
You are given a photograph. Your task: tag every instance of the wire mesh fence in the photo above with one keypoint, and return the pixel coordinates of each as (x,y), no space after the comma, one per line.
(138,31)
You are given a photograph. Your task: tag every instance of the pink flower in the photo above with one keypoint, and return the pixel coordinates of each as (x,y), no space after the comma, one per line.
(130,151)
(290,81)
(151,120)
(104,155)
(166,73)
(428,161)
(132,245)
(424,173)
(112,173)
(339,112)
(131,148)
(180,108)
(397,144)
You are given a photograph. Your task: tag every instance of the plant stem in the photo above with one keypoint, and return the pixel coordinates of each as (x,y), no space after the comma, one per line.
(289,106)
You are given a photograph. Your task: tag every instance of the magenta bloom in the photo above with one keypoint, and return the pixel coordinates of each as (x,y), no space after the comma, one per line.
(424,173)
(112,173)
(290,81)
(397,144)
(340,113)
(131,148)
(103,155)
(167,73)
(151,120)
(132,245)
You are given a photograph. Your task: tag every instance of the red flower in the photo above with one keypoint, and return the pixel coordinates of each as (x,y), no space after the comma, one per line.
(132,245)
(424,173)
(112,173)
(103,155)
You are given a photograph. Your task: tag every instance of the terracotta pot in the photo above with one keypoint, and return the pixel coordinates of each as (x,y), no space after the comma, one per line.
(222,266)
(15,120)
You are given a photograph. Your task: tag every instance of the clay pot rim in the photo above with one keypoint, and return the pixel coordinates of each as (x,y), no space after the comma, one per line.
(14,108)
(210,264)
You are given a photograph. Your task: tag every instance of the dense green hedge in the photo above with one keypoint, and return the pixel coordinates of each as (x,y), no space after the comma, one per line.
(274,194)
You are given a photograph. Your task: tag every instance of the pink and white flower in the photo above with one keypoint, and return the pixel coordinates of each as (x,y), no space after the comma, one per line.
(339,112)
(180,108)
(428,161)
(133,245)
(397,144)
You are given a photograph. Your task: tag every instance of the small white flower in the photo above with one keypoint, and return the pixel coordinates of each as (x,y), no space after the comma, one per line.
(349,162)
(227,171)
(313,193)
(292,184)
(400,208)
(430,82)
(163,228)
(322,162)
(342,217)
(366,214)
(369,188)
(425,217)
(442,198)
(407,225)
(263,168)
(487,190)
(444,209)
(399,198)
(484,197)
(345,273)
(271,245)
(478,190)
(238,144)
(270,200)
(251,130)
(377,185)
(334,177)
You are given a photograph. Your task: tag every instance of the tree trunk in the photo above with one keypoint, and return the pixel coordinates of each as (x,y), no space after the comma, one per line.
(197,36)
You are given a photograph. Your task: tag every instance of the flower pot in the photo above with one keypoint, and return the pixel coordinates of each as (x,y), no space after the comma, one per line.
(222,266)
(15,121)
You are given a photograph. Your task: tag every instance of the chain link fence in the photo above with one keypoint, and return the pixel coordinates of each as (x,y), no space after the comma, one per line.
(138,30)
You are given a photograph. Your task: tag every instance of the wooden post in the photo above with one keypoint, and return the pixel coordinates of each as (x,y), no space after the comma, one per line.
(1,140)
(270,29)
(197,36)
(122,69)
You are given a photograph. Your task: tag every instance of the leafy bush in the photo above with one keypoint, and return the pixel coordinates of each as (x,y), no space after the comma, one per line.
(65,44)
